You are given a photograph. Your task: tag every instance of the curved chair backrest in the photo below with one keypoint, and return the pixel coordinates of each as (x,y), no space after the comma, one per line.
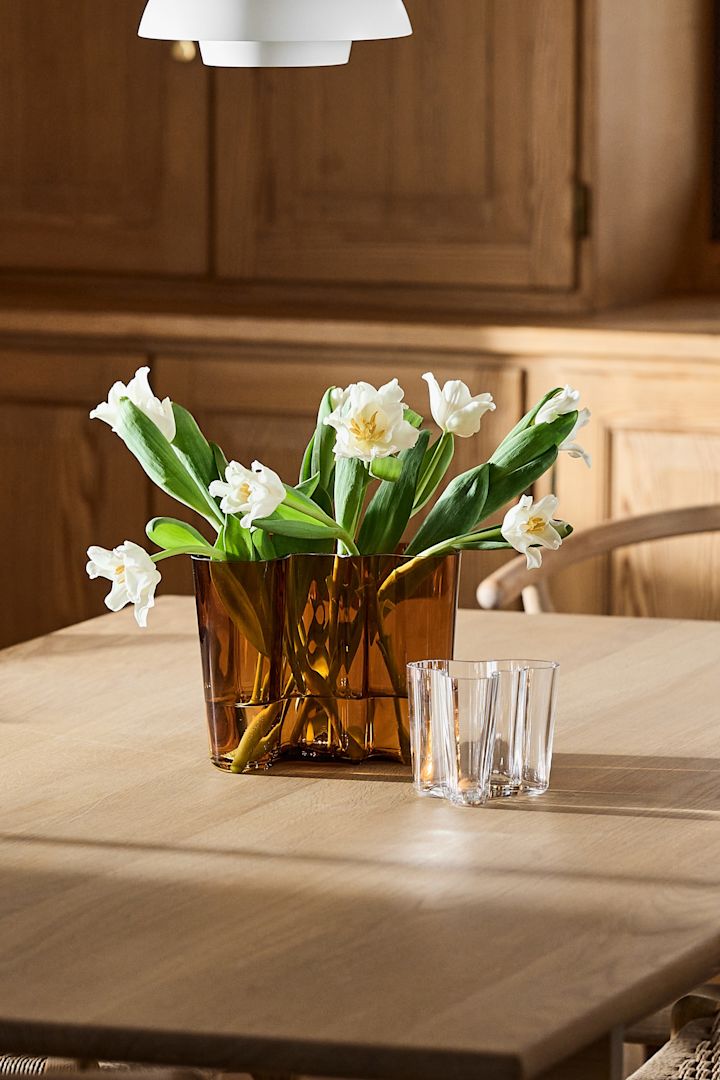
(514,579)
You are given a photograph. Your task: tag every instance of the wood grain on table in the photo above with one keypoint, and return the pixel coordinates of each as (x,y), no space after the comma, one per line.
(155,909)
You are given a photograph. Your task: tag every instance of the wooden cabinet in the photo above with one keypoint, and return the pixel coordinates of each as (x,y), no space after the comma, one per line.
(655,443)
(261,403)
(509,156)
(68,482)
(103,159)
(446,160)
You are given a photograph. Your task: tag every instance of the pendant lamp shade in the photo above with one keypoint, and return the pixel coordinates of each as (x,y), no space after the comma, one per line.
(251,54)
(274,20)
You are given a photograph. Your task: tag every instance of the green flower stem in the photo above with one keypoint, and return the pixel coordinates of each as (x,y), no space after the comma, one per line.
(433,474)
(258,681)
(458,543)
(309,679)
(399,686)
(334,658)
(260,729)
(349,544)
(273,735)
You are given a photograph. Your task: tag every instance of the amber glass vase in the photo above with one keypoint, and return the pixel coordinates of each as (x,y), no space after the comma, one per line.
(305,657)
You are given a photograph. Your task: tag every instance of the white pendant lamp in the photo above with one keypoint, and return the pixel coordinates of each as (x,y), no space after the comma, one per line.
(290,54)
(281,21)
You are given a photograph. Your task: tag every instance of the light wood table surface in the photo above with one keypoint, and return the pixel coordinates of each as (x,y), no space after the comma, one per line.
(155,909)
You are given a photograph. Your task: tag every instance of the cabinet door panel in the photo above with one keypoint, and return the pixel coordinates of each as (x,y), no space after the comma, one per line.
(666,470)
(68,482)
(262,403)
(445,159)
(655,442)
(103,161)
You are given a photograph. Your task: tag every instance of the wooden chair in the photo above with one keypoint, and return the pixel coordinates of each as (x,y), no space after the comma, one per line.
(693,1052)
(514,579)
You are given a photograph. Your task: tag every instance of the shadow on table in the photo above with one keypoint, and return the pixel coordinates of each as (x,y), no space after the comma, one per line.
(629,785)
(581,783)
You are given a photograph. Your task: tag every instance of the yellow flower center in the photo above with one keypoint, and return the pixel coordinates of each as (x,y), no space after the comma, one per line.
(120,572)
(366,430)
(245,491)
(535,525)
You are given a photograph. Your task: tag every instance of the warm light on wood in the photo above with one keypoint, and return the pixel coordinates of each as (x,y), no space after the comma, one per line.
(155,908)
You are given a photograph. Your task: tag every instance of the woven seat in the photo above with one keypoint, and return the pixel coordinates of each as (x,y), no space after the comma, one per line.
(70,1069)
(694,1054)
(24,1065)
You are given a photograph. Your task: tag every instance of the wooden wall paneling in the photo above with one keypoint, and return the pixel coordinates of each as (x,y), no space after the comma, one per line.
(644,139)
(666,469)
(261,402)
(654,439)
(104,156)
(698,270)
(447,161)
(68,482)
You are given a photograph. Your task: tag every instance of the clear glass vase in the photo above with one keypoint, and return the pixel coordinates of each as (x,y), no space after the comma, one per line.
(305,657)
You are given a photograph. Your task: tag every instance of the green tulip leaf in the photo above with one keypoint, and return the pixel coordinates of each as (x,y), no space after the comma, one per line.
(533,442)
(221,462)
(437,461)
(322,458)
(308,487)
(351,481)
(245,598)
(388,469)
(506,487)
(169,533)
(388,513)
(162,464)
(528,418)
(323,500)
(237,541)
(458,509)
(302,504)
(306,467)
(287,521)
(413,418)
(263,546)
(192,447)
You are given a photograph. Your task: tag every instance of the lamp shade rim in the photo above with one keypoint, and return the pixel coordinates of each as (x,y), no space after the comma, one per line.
(274,20)
(285,54)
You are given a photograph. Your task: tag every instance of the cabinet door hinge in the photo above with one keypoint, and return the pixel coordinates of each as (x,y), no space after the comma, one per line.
(582,209)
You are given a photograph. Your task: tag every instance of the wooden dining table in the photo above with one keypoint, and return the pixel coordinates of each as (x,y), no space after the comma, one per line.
(324,920)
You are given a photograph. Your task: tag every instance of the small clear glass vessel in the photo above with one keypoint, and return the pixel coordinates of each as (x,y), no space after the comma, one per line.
(452,728)
(525,724)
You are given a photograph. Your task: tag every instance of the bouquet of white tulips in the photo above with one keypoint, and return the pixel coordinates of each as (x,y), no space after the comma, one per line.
(370,467)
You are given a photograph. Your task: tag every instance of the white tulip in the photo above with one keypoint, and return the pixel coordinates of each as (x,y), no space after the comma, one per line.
(565,401)
(371,423)
(256,493)
(454,409)
(134,577)
(529,524)
(570,446)
(139,392)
